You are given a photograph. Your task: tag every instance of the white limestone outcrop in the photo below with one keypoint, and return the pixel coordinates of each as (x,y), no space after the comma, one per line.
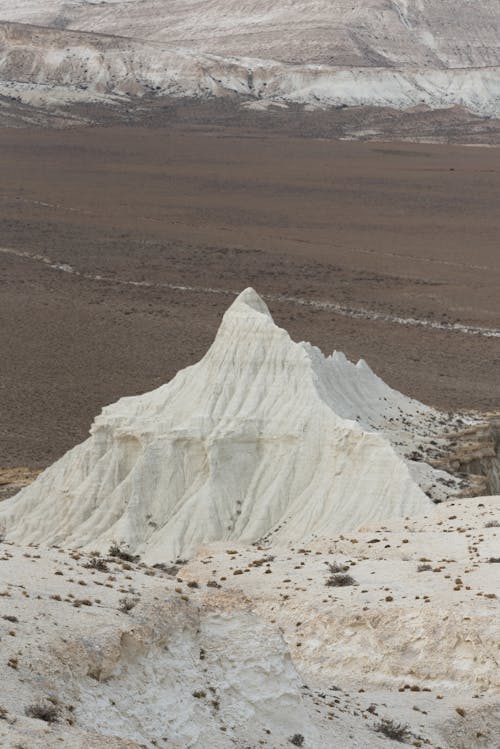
(264,437)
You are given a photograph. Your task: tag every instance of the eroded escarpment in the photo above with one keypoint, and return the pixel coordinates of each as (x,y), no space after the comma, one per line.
(473,454)
(395,54)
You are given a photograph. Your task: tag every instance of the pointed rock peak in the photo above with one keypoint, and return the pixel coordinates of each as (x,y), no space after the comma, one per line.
(361,364)
(249,301)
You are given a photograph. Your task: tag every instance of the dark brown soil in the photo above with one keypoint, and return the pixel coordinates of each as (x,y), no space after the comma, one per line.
(405,229)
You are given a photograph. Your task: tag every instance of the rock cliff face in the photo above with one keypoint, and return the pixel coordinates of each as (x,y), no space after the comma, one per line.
(398,53)
(263,437)
(378,33)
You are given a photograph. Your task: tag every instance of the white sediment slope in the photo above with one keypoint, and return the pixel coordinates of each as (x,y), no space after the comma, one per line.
(263,438)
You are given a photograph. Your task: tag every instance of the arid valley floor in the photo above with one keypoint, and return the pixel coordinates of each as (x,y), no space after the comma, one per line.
(102,226)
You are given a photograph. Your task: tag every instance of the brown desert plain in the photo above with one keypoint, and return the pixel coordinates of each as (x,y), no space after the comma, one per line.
(122,246)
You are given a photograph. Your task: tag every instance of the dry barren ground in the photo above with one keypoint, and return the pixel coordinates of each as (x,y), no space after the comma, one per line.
(253,645)
(404,232)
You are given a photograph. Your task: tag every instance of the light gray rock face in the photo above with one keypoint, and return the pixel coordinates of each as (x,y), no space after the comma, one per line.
(263,438)
(425,33)
(398,53)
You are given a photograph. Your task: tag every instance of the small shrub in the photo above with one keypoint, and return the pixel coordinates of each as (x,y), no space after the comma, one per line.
(119,553)
(10,618)
(169,569)
(97,563)
(335,568)
(199,694)
(340,581)
(492,560)
(127,604)
(48,713)
(264,560)
(492,524)
(297,739)
(424,567)
(396,731)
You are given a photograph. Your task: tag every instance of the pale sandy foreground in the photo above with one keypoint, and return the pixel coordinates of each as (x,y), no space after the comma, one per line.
(397,53)
(247,646)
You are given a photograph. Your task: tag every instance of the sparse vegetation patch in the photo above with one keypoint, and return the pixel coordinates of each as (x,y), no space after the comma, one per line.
(340,581)
(395,731)
(43,711)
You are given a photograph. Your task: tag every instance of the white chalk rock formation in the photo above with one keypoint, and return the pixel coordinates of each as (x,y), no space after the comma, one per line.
(259,439)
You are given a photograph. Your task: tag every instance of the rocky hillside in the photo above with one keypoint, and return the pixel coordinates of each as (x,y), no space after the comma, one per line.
(398,53)
(371,33)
